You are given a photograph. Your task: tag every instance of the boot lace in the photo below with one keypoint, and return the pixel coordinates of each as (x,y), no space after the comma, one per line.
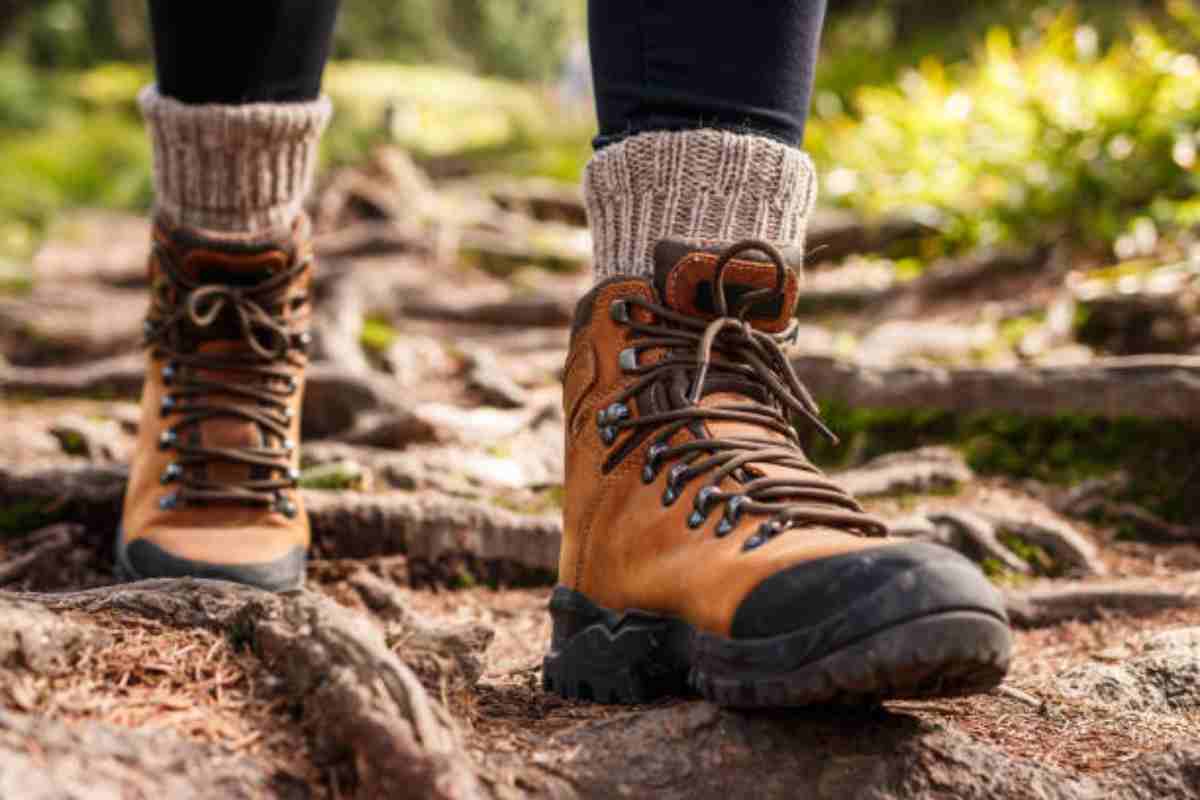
(726,355)
(185,312)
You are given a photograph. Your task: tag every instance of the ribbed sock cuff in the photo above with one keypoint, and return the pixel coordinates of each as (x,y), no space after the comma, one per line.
(708,187)
(234,168)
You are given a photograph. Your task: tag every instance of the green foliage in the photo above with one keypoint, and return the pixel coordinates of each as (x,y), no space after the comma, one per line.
(1024,141)
(524,39)
(515,38)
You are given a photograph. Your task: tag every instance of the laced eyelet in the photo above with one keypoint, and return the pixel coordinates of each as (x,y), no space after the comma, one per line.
(653,454)
(614,413)
(292,385)
(293,475)
(627,359)
(147,328)
(766,532)
(619,311)
(168,374)
(702,504)
(288,446)
(733,510)
(167,406)
(608,435)
(675,483)
(172,473)
(303,341)
(288,414)
(285,506)
(167,439)
(168,502)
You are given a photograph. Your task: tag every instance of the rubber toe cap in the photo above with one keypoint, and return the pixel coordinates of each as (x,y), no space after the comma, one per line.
(141,559)
(865,590)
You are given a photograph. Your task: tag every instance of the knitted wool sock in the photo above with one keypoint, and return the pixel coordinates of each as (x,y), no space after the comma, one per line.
(232,168)
(706,187)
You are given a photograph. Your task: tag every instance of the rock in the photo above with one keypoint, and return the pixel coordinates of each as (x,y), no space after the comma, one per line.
(1162,675)
(694,750)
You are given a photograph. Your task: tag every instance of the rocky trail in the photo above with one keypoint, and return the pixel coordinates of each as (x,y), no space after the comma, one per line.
(1037,410)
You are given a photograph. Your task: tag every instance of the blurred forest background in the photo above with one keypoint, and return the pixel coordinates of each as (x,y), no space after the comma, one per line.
(995,121)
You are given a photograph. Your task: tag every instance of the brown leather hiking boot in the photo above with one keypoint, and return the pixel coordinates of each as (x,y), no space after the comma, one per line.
(212,490)
(702,548)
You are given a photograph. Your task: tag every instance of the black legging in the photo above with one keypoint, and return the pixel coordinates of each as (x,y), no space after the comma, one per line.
(241,51)
(657,64)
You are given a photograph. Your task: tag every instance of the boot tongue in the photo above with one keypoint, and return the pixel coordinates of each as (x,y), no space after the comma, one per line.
(230,259)
(685,276)
(237,262)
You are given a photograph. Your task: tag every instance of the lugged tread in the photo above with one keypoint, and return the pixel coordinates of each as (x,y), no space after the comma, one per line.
(946,654)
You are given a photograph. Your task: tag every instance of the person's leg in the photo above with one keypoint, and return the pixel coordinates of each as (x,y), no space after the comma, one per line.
(709,100)
(235,118)
(235,115)
(275,53)
(757,580)
(675,65)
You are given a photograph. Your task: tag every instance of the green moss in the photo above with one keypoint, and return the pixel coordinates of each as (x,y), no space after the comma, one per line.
(26,515)
(72,443)
(462,578)
(377,335)
(1157,456)
(546,501)
(335,476)
(1001,575)
(1032,554)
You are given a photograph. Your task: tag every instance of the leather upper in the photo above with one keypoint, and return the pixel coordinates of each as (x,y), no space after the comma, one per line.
(220,532)
(622,546)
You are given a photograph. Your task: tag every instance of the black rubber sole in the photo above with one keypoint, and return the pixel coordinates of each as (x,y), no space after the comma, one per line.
(636,657)
(281,575)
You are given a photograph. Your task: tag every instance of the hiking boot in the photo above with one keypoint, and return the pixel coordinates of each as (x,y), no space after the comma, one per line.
(701,548)
(212,490)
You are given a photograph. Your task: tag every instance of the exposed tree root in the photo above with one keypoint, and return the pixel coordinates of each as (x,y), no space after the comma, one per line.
(333,399)
(359,700)
(834,234)
(1055,603)
(912,472)
(43,545)
(1016,533)
(43,758)
(1152,387)
(425,525)
(428,525)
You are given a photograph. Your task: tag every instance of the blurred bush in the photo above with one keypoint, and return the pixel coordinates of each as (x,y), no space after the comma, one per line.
(514,38)
(1053,135)
(1014,119)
